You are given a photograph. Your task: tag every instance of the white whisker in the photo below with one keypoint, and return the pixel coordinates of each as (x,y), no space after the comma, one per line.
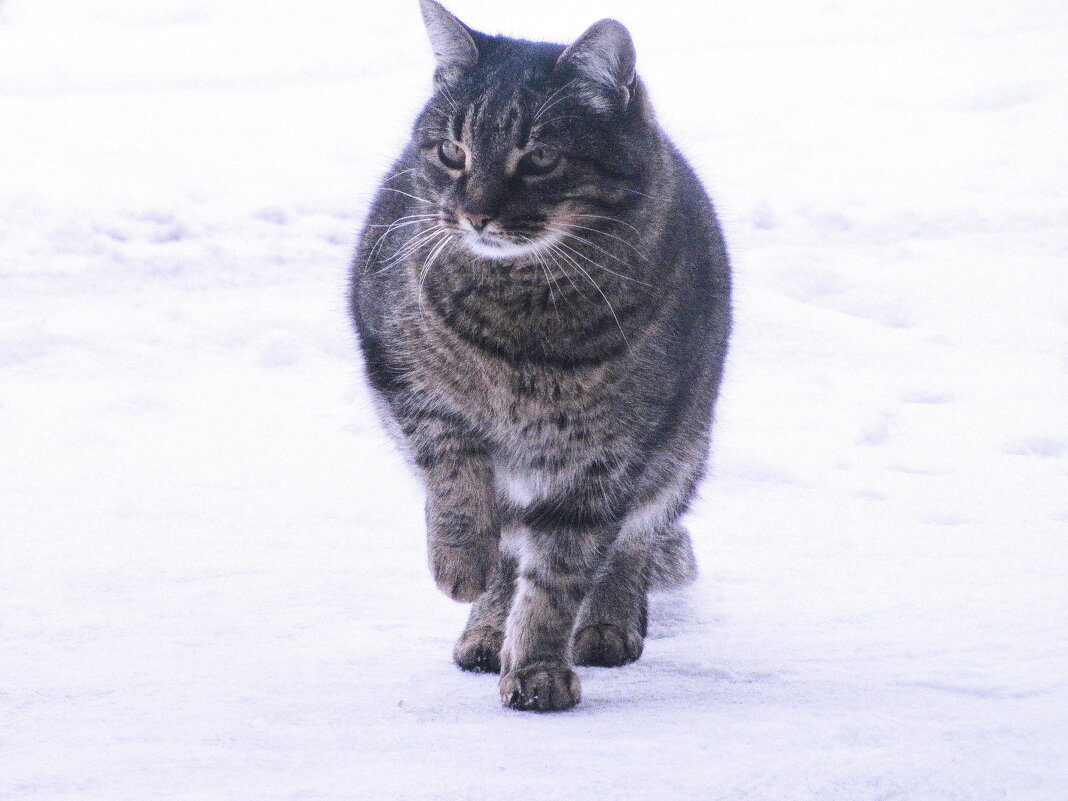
(549,251)
(429,262)
(651,197)
(538,252)
(557,119)
(610,236)
(596,264)
(407,194)
(393,226)
(399,174)
(412,217)
(448,96)
(412,246)
(597,286)
(611,219)
(548,104)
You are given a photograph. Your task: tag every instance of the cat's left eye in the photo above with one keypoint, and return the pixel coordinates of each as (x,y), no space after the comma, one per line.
(540,161)
(452,155)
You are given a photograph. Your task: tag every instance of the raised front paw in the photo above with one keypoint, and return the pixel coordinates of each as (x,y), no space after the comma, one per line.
(541,687)
(463,572)
(607,645)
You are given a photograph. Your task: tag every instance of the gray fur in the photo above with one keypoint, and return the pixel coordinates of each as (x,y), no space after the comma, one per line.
(543,306)
(453,46)
(604,56)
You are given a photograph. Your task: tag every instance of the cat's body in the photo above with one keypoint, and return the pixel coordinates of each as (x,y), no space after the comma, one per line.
(542,298)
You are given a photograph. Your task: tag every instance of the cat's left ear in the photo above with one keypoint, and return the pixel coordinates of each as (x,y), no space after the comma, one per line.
(453,42)
(604,58)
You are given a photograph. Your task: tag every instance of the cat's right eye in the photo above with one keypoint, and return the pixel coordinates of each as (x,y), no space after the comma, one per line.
(452,155)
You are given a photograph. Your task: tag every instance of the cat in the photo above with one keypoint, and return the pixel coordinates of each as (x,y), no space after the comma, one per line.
(541,295)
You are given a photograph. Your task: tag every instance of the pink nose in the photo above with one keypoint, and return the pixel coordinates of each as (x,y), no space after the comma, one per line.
(478,221)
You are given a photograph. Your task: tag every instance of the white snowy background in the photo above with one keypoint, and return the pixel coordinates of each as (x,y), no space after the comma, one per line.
(212,570)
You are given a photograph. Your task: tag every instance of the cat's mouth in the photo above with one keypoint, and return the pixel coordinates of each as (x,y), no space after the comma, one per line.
(491,243)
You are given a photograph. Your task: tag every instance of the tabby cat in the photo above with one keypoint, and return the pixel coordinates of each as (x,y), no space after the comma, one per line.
(542,298)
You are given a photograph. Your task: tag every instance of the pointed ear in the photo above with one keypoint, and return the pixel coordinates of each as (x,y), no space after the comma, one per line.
(604,57)
(454,46)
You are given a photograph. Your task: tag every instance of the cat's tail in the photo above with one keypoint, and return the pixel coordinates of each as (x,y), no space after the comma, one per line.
(672,562)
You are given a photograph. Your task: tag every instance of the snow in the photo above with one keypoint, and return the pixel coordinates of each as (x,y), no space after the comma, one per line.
(213,578)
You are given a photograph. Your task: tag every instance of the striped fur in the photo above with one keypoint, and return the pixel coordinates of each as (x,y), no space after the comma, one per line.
(551,376)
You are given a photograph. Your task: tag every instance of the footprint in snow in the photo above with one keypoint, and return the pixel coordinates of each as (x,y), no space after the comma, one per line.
(1040,446)
(927,396)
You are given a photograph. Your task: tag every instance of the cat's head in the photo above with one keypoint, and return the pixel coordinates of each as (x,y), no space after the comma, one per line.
(524,143)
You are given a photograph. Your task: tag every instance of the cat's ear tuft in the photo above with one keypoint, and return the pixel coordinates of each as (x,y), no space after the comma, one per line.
(604,56)
(453,43)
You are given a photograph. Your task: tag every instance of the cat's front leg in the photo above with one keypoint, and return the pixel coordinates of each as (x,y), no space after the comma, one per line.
(463,526)
(557,562)
(462,519)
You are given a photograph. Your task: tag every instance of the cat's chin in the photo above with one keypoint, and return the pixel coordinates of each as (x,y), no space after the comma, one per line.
(495,248)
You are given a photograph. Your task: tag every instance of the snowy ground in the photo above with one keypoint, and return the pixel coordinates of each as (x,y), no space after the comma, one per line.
(212,579)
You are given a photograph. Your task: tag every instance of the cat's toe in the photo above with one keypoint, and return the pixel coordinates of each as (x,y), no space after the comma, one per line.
(541,687)
(479,650)
(607,645)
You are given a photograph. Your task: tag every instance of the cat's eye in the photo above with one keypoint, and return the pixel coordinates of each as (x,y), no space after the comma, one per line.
(542,160)
(452,155)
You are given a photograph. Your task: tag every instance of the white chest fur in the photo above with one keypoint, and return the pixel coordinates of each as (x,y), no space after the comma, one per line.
(522,486)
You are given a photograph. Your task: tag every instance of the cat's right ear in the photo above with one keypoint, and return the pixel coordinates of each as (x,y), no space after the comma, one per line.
(453,42)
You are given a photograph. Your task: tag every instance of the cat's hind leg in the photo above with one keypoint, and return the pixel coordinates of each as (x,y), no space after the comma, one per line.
(672,562)
(611,624)
(652,550)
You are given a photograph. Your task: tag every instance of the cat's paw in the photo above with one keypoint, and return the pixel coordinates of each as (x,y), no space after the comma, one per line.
(479,650)
(463,572)
(541,687)
(607,645)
